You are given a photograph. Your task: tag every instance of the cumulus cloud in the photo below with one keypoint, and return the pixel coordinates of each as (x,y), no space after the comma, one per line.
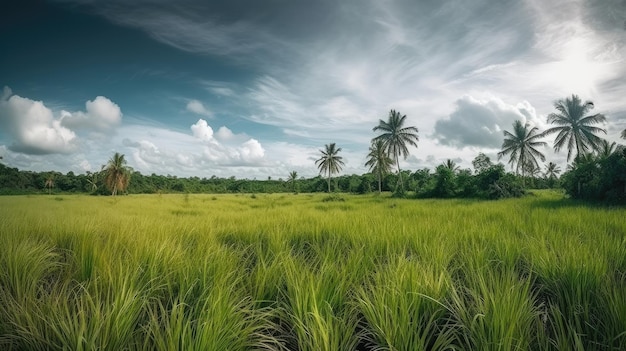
(33,126)
(101,114)
(163,151)
(251,151)
(481,122)
(224,133)
(197,107)
(202,130)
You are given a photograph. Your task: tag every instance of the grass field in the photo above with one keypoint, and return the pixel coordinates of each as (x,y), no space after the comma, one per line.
(297,272)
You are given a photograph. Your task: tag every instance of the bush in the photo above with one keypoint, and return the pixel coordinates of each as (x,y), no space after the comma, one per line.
(598,178)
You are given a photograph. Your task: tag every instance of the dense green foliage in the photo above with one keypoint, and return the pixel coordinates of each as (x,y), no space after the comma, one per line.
(295,272)
(598,177)
(421,183)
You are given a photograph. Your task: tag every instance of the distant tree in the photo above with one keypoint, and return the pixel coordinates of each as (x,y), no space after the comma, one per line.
(552,170)
(116,174)
(624,134)
(92,179)
(605,149)
(575,130)
(522,145)
(422,178)
(396,138)
(293,176)
(49,182)
(444,182)
(481,163)
(378,161)
(532,170)
(330,162)
(451,165)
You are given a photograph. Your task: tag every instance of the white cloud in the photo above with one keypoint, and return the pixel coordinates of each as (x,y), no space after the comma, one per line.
(33,126)
(480,123)
(101,115)
(197,107)
(224,134)
(162,151)
(222,89)
(202,130)
(251,151)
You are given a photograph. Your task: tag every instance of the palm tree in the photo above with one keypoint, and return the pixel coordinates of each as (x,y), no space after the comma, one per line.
(521,146)
(575,130)
(396,137)
(49,183)
(116,174)
(552,170)
(330,162)
(623,135)
(605,149)
(379,161)
(93,181)
(451,165)
(293,176)
(532,170)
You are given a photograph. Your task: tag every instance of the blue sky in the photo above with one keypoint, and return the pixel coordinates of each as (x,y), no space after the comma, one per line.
(253,89)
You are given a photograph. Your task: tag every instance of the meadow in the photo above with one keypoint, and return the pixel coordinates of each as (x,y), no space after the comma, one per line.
(310,272)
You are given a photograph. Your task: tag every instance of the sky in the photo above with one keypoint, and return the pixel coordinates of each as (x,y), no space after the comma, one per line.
(254,89)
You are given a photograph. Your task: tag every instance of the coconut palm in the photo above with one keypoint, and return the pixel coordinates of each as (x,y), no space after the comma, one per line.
(605,149)
(396,138)
(49,183)
(379,161)
(522,145)
(451,165)
(92,179)
(575,130)
(532,170)
(330,162)
(293,176)
(552,170)
(116,174)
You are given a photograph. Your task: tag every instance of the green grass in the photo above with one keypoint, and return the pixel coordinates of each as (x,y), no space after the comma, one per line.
(310,272)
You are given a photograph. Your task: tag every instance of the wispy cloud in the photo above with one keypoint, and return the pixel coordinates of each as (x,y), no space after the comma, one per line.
(198,108)
(461,70)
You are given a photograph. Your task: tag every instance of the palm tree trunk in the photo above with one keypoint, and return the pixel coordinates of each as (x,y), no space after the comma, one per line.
(399,174)
(329,180)
(380,183)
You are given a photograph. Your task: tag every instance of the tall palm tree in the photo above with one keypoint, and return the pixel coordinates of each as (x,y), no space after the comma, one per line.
(552,170)
(379,161)
(397,138)
(330,162)
(522,145)
(575,130)
(293,176)
(116,174)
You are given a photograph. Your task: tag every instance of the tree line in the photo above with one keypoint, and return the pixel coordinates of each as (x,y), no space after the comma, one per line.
(575,130)
(598,170)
